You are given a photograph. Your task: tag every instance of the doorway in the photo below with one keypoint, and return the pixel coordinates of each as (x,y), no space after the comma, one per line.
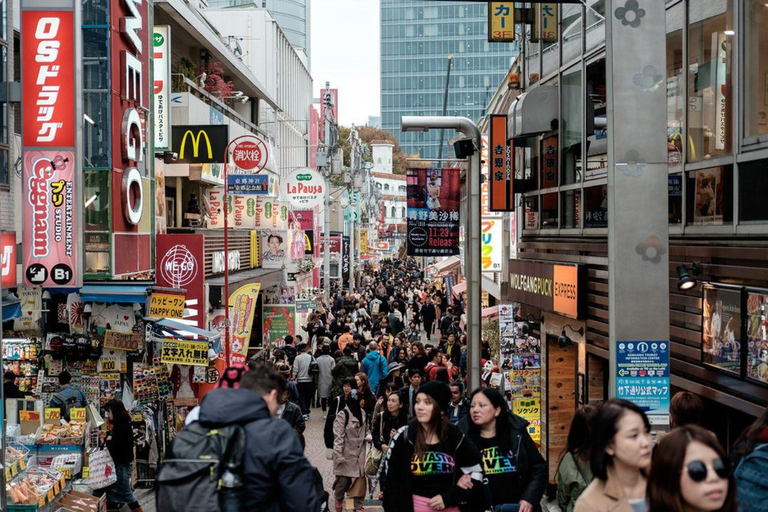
(561,384)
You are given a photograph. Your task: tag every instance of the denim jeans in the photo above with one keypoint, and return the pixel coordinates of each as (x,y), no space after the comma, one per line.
(507,507)
(120,491)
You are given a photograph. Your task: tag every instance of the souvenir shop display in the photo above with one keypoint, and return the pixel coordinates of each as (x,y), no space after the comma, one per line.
(20,357)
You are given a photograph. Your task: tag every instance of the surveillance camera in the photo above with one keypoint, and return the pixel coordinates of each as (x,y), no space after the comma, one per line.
(170,156)
(563,341)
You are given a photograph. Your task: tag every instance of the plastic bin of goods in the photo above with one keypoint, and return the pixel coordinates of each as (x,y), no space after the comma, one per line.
(71,433)
(33,486)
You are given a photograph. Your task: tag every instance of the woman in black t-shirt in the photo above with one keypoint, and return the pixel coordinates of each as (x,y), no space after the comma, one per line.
(515,471)
(431,463)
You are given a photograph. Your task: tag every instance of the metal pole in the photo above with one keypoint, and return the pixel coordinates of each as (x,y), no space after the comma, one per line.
(445,105)
(473,254)
(327,211)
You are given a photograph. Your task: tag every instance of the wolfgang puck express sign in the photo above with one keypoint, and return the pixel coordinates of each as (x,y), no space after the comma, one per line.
(555,288)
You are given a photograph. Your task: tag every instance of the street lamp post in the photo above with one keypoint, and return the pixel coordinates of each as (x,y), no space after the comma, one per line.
(474,319)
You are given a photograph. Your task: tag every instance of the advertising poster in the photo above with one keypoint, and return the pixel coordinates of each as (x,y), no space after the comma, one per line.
(284,294)
(529,409)
(216,208)
(271,214)
(492,235)
(757,335)
(433,212)
(345,261)
(525,383)
(512,236)
(180,263)
(161,218)
(708,197)
(243,212)
(243,304)
(193,353)
(279,320)
(449,282)
(273,245)
(642,377)
(721,328)
(50,236)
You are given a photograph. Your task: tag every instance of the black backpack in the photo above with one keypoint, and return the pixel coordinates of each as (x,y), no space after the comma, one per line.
(190,479)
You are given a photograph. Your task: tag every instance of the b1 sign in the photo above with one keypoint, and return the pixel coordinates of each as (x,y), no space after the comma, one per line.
(305,188)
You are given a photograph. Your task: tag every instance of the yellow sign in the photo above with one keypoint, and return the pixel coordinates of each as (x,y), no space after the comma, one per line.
(529,409)
(255,252)
(184,352)
(52,414)
(122,340)
(545,23)
(65,472)
(86,472)
(77,414)
(166,305)
(501,22)
(363,242)
(29,416)
(195,144)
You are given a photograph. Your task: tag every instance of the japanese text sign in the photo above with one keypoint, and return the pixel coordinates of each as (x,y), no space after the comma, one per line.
(529,409)
(194,353)
(501,22)
(502,183)
(122,340)
(545,22)
(433,212)
(166,305)
(642,377)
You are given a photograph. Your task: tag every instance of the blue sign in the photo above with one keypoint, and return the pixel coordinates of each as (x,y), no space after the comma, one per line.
(448,282)
(247,184)
(642,376)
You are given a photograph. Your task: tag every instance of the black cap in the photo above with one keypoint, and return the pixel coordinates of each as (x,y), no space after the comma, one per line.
(437,391)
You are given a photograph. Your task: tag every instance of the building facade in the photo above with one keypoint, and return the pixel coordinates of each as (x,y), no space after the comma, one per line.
(416,42)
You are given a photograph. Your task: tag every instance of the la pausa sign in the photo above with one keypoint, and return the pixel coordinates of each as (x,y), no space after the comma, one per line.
(305,188)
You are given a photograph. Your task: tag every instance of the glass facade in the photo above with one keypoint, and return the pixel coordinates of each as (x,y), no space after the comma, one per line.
(416,40)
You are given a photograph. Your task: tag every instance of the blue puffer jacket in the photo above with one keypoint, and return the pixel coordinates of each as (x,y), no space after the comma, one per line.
(277,475)
(375,367)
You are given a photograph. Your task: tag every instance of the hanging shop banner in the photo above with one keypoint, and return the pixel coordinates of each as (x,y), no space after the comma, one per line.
(642,377)
(548,286)
(485,186)
(216,208)
(334,243)
(273,245)
(492,236)
(193,353)
(181,264)
(363,242)
(304,188)
(345,261)
(255,252)
(200,144)
(253,184)
(166,305)
(279,321)
(548,160)
(512,236)
(161,53)
(243,212)
(501,22)
(708,196)
(433,211)
(721,337)
(243,304)
(8,260)
(271,214)
(51,243)
(544,22)
(529,409)
(502,183)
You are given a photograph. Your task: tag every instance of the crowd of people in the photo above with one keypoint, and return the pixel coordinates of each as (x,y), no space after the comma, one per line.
(386,367)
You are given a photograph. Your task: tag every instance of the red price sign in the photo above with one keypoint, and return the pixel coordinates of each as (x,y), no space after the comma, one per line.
(77,414)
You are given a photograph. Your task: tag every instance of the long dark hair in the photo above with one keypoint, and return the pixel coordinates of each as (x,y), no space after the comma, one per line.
(353,404)
(579,436)
(366,391)
(503,424)
(119,413)
(439,424)
(664,480)
(604,428)
(746,441)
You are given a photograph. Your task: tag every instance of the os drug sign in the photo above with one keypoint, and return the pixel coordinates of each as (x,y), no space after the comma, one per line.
(305,188)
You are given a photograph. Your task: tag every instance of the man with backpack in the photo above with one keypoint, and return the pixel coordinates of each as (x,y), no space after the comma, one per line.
(68,397)
(239,456)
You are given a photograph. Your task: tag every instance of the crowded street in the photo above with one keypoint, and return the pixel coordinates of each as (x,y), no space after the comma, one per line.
(384,256)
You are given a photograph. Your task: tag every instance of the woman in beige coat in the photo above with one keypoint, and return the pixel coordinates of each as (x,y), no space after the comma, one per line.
(621,455)
(349,431)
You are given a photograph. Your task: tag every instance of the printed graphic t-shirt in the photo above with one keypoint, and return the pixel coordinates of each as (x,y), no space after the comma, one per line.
(501,471)
(432,473)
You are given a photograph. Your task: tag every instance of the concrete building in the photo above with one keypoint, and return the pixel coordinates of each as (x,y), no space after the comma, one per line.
(381,152)
(416,40)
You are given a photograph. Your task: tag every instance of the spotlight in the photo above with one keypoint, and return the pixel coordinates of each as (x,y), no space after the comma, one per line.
(563,340)
(686,279)
(527,327)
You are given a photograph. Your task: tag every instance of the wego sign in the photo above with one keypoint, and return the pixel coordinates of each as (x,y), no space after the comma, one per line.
(180,265)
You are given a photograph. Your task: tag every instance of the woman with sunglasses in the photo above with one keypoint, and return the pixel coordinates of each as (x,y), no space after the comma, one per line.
(621,455)
(691,473)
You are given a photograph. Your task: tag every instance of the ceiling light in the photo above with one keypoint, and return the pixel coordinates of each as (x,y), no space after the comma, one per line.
(730,32)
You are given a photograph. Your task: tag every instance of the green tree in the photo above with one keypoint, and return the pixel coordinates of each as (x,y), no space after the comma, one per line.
(367,135)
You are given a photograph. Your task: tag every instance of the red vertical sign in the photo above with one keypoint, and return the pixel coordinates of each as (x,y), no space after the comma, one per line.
(549,171)
(181,264)
(501,173)
(8,260)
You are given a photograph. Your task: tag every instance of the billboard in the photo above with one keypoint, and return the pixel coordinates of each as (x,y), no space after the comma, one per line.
(433,197)
(200,144)
(181,264)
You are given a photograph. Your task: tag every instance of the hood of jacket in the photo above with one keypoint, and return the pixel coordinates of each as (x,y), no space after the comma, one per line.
(372,357)
(225,406)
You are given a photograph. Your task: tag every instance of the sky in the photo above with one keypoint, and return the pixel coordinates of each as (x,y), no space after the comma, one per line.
(345,52)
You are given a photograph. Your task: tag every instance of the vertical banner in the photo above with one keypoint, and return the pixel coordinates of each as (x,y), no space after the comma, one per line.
(448,282)
(492,236)
(363,241)
(216,208)
(8,260)
(49,189)
(345,248)
(433,211)
(161,54)
(512,236)
(243,304)
(642,377)
(279,320)
(544,22)
(180,263)
(502,184)
(501,22)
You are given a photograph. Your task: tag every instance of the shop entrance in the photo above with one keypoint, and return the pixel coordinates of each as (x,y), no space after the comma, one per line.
(560,393)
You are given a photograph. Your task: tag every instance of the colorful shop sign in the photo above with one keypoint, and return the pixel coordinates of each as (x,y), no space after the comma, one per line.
(193,353)
(305,188)
(166,305)
(492,235)
(433,211)
(243,304)
(551,287)
(8,260)
(279,320)
(501,22)
(642,377)
(529,409)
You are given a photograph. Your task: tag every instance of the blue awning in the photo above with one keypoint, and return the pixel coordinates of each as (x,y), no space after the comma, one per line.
(11,308)
(126,294)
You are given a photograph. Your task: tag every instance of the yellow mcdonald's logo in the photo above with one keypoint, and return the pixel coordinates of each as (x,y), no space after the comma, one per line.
(195,144)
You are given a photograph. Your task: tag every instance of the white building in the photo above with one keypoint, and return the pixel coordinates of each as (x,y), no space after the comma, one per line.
(381,152)
(393,193)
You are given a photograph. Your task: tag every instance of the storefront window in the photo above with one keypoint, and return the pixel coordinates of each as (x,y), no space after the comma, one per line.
(710,196)
(596,207)
(753,189)
(595,22)
(571,30)
(675,81)
(571,124)
(597,142)
(756,69)
(710,53)
(549,211)
(571,209)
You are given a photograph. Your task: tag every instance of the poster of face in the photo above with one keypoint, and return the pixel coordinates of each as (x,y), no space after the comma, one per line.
(280,295)
(757,336)
(721,328)
(708,197)
(433,211)
(273,249)
(526,361)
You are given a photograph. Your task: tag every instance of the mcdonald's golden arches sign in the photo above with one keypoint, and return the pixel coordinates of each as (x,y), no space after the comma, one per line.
(200,144)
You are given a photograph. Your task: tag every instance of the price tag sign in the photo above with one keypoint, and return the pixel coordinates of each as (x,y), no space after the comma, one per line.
(50,495)
(77,414)
(86,472)
(14,470)
(56,488)
(65,472)
(41,503)
(22,464)
(63,482)
(52,414)
(7,473)
(29,416)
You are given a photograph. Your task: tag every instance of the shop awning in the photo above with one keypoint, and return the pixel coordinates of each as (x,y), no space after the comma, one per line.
(268,277)
(488,285)
(447,265)
(11,308)
(491,311)
(115,293)
(532,112)
(174,329)
(459,288)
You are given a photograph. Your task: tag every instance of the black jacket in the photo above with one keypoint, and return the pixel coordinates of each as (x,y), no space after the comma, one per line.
(11,390)
(337,404)
(398,496)
(531,466)
(380,432)
(277,475)
(292,414)
(120,442)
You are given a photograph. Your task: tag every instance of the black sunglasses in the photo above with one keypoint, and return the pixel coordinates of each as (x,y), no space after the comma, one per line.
(697,470)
